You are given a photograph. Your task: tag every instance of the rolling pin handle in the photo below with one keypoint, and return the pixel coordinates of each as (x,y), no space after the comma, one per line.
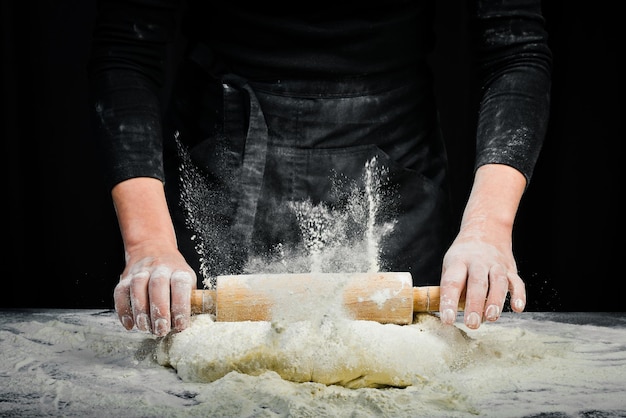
(203,301)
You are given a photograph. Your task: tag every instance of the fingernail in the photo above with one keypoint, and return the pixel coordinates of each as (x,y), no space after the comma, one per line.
(142,322)
(127,321)
(161,327)
(448,316)
(181,322)
(492,312)
(519,304)
(473,320)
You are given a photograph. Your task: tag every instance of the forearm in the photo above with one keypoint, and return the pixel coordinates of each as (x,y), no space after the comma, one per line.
(142,212)
(494,200)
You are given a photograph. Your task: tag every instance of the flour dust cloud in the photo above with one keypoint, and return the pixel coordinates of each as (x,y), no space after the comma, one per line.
(345,239)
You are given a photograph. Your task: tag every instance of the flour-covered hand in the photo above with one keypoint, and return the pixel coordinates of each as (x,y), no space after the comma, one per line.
(486,272)
(154,292)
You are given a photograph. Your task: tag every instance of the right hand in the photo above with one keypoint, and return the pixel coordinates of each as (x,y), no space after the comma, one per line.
(154,292)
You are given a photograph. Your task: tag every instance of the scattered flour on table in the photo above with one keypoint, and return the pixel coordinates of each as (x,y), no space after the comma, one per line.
(82,363)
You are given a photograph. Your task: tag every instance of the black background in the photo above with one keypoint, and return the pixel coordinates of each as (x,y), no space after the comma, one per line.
(61,242)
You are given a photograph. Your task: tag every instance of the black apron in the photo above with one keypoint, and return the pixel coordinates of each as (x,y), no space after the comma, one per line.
(259,173)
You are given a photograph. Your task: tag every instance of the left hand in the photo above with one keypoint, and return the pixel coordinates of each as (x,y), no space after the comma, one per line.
(482,265)
(480,261)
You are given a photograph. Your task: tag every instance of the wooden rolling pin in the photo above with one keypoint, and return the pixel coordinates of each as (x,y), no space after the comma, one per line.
(387,297)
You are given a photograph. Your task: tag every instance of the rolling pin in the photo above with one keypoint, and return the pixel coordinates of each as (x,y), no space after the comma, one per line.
(385,297)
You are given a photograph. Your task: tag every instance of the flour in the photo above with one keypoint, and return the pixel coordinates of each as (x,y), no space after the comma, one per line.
(81,363)
(334,239)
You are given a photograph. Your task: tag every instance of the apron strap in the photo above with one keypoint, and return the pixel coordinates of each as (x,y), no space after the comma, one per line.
(254,140)
(254,157)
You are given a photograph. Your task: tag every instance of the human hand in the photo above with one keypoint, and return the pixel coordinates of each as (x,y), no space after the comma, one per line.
(480,262)
(154,292)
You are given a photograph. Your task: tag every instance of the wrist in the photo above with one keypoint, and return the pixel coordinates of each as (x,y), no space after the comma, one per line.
(494,199)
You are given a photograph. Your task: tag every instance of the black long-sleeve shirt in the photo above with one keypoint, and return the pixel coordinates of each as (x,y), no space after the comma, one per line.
(273,40)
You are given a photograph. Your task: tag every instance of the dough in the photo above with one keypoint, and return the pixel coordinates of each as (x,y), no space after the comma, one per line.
(328,350)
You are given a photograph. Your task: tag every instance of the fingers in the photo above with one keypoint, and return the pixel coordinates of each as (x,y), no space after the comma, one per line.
(131,300)
(498,289)
(170,299)
(452,286)
(155,299)
(159,294)
(517,288)
(123,307)
(477,288)
(139,299)
(485,290)
(182,283)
